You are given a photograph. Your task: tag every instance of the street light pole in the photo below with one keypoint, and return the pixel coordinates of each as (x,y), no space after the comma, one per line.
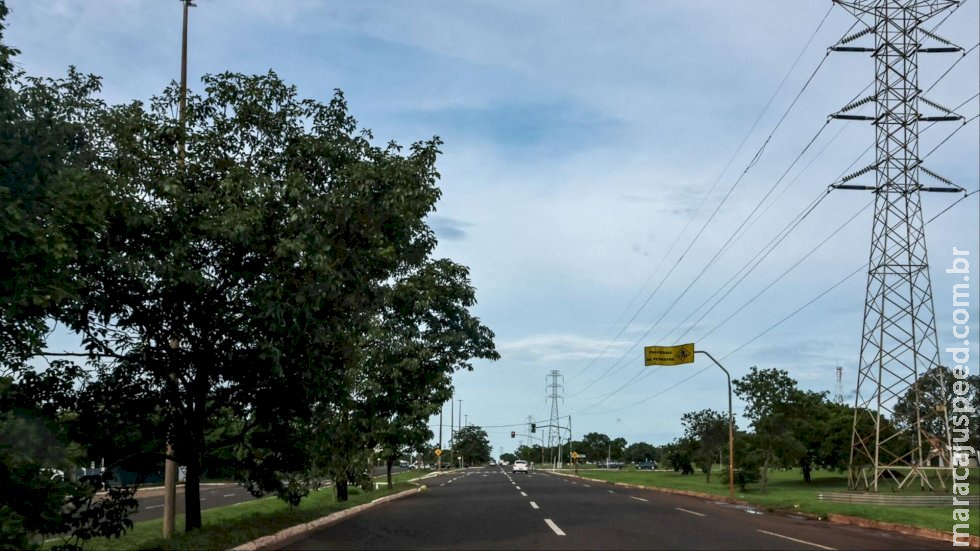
(731,428)
(170,466)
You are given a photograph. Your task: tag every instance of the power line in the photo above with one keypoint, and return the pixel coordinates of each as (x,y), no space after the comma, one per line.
(700,205)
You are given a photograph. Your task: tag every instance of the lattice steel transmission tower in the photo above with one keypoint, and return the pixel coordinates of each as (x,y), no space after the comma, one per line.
(554,425)
(899,346)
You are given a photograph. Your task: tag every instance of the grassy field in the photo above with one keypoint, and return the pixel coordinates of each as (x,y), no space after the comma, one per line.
(787,491)
(226,527)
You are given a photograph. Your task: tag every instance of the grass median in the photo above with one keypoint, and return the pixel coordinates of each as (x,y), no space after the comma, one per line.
(227,527)
(788,492)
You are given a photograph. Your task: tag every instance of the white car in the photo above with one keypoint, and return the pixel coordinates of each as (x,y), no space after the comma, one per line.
(520,466)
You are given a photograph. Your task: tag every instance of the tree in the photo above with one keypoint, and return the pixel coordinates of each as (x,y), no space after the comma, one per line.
(473,445)
(641,451)
(50,219)
(776,408)
(709,430)
(595,446)
(678,455)
(936,395)
(508,457)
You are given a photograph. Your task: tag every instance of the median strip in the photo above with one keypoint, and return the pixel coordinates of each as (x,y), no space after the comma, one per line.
(817,545)
(554,527)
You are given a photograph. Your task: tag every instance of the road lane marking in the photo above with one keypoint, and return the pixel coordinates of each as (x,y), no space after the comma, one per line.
(443,484)
(691,512)
(796,540)
(523,494)
(534,505)
(203,498)
(517,487)
(611,492)
(586,485)
(639,498)
(154,506)
(228,495)
(554,527)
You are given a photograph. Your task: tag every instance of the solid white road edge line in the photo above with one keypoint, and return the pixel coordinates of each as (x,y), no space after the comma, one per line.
(817,545)
(554,527)
(534,505)
(691,512)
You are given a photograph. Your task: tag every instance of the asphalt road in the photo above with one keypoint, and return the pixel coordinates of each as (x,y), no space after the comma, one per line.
(489,508)
(212,495)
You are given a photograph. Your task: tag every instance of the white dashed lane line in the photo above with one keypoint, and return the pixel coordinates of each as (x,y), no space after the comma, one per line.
(817,545)
(554,527)
(154,506)
(228,495)
(534,505)
(638,498)
(691,512)
(523,494)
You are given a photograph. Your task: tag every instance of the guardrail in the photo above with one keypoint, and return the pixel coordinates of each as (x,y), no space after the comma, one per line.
(939,500)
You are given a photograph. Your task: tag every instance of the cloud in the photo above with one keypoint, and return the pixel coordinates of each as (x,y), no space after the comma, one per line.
(448,228)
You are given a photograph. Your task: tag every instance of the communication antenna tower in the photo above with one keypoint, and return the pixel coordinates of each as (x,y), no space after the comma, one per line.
(899,345)
(839,389)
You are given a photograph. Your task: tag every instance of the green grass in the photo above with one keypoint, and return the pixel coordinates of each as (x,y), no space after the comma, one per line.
(786,491)
(226,527)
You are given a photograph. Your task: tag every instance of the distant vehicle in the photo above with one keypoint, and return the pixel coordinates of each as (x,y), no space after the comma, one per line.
(492,463)
(504,463)
(611,465)
(646,466)
(403,464)
(520,466)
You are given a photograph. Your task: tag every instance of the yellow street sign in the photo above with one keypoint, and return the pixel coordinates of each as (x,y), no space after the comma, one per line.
(438,452)
(574,455)
(668,355)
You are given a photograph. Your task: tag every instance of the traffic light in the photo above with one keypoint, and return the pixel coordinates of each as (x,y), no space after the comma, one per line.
(513,433)
(534,427)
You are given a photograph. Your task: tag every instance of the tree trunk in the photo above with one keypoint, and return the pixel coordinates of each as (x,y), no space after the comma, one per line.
(708,474)
(390,463)
(341,485)
(765,472)
(192,493)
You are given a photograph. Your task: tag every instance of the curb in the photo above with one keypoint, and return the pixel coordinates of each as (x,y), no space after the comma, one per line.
(899,528)
(833,518)
(284,536)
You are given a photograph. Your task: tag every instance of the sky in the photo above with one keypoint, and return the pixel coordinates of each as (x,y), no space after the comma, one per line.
(599,158)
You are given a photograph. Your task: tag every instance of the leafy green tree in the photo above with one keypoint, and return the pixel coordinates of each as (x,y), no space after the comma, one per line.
(508,457)
(595,446)
(935,396)
(641,451)
(771,398)
(473,445)
(50,220)
(679,454)
(709,430)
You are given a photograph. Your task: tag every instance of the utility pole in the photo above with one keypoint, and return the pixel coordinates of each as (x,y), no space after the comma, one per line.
(439,457)
(899,344)
(452,433)
(170,466)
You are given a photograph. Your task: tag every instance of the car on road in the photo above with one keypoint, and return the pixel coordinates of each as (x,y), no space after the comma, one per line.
(646,466)
(520,466)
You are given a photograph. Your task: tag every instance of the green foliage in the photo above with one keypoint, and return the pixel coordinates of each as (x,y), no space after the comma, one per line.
(641,451)
(708,430)
(473,444)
